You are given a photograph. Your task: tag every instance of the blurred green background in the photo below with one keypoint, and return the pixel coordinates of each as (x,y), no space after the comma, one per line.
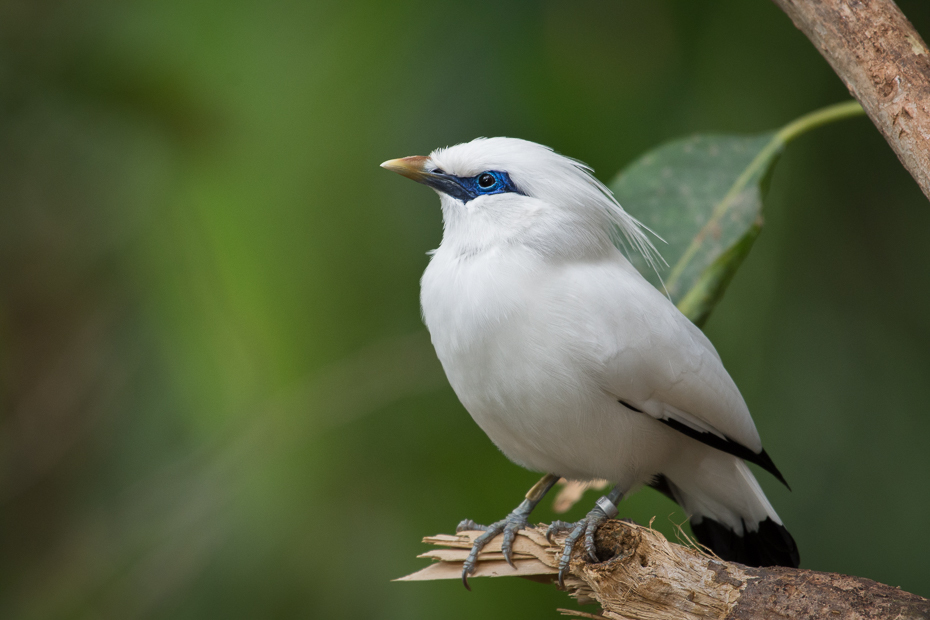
(218,400)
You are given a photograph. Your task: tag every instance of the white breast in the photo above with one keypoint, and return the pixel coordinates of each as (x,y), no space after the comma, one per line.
(519,340)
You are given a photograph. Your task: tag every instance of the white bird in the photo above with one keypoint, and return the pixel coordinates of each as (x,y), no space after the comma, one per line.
(571,362)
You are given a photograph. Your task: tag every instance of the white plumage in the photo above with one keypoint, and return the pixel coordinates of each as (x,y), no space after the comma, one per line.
(569,360)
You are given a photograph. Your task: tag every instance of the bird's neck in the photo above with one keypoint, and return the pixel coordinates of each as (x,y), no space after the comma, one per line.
(544,240)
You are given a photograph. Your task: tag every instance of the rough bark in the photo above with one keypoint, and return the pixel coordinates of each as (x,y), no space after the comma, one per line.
(646,577)
(885,64)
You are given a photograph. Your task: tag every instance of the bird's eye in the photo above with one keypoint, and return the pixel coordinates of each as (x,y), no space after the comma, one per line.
(486,181)
(438,171)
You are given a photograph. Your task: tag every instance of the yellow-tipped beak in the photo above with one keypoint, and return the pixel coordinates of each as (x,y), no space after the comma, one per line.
(410,167)
(422,170)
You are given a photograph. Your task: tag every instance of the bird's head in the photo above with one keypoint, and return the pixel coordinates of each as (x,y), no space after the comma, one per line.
(497,191)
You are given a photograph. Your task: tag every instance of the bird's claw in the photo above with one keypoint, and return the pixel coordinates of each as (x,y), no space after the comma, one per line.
(587,527)
(558,526)
(508,526)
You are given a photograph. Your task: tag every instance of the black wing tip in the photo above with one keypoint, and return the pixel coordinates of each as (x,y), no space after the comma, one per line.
(769,545)
(764,461)
(725,444)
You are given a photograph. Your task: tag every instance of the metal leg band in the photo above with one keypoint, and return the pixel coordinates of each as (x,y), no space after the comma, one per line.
(608,507)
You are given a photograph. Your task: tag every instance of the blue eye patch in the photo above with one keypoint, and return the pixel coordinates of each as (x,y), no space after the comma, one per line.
(468,188)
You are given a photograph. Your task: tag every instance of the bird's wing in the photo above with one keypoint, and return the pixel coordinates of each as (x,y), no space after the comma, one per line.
(659,363)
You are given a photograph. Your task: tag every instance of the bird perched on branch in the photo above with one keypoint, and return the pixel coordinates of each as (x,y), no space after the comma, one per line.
(571,362)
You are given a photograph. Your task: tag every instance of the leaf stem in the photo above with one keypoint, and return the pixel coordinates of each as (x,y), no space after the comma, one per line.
(819,118)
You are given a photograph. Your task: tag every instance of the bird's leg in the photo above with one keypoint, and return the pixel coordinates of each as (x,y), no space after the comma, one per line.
(606,508)
(509,526)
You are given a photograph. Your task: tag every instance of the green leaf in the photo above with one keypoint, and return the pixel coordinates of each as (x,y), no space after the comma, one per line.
(703,195)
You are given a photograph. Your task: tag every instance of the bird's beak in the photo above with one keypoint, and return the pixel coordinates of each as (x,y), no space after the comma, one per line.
(420,169)
(410,167)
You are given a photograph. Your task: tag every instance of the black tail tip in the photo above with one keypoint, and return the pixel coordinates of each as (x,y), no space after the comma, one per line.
(769,545)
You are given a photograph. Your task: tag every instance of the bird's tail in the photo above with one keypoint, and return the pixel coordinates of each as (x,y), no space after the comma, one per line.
(729,512)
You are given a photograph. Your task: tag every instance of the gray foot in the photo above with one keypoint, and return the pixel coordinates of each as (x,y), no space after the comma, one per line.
(587,526)
(509,526)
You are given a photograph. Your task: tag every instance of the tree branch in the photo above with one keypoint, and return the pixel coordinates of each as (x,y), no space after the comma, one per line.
(885,65)
(645,577)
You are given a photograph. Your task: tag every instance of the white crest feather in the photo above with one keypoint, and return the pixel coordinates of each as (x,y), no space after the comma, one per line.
(632,230)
